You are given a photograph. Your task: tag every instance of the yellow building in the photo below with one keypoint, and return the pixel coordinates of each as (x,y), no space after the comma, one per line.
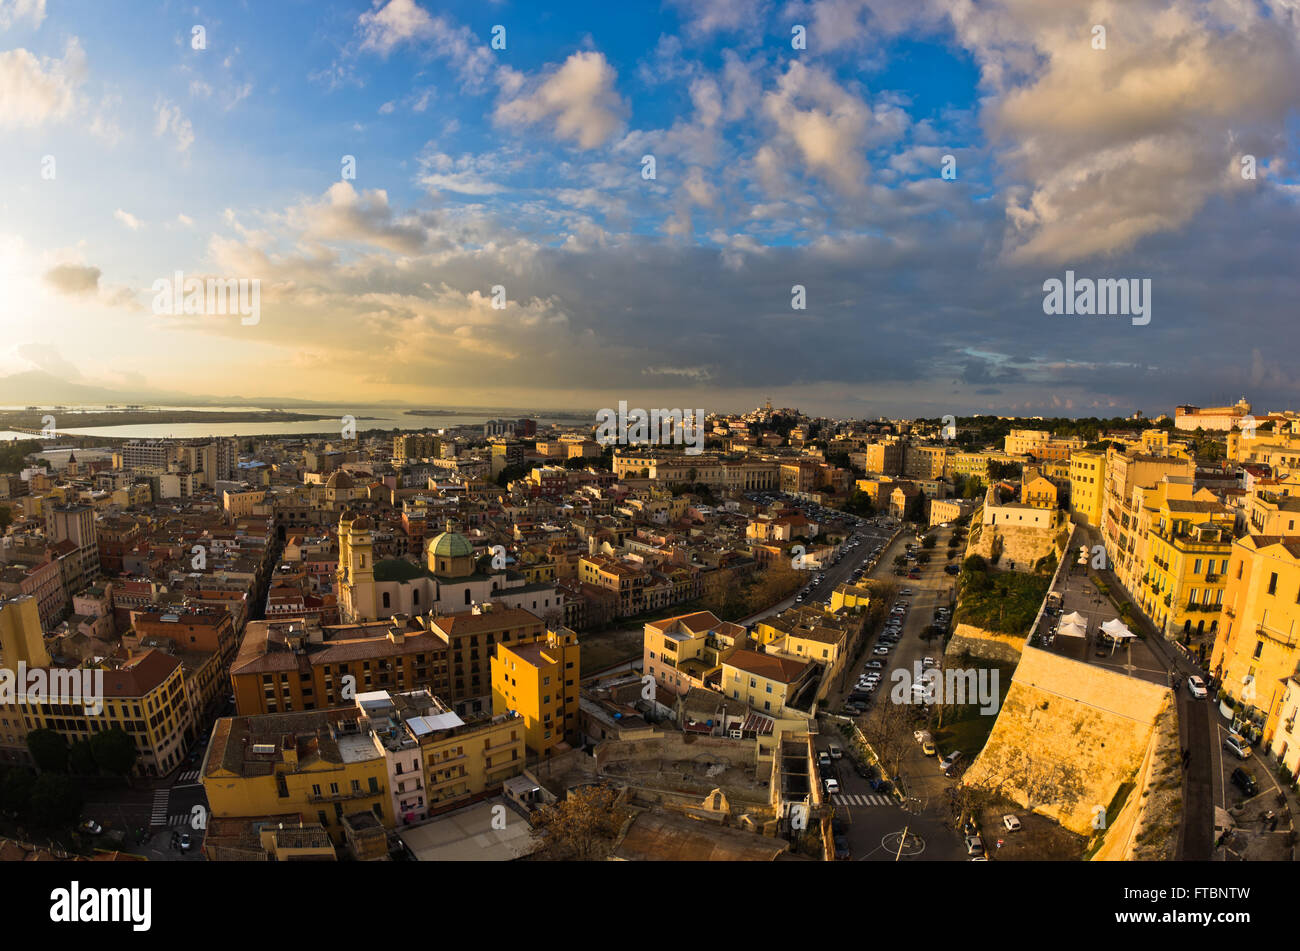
(1188,543)
(851,596)
(1087,486)
(320,764)
(540,682)
(1037,491)
(1255,653)
(682,652)
(143,695)
(767,682)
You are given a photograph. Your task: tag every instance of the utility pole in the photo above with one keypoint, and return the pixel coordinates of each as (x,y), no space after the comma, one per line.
(902,839)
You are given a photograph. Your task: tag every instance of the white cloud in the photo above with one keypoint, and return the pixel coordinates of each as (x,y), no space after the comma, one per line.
(345,216)
(128,219)
(14,11)
(399,22)
(826,124)
(169,120)
(33,91)
(579,98)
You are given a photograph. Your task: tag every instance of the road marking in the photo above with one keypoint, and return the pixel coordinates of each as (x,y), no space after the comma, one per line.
(160,800)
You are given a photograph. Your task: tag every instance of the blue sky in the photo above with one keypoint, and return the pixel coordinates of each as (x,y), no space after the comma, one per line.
(521,168)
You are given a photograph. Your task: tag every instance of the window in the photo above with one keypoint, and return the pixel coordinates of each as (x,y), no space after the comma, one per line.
(1259,649)
(386,602)
(1272,583)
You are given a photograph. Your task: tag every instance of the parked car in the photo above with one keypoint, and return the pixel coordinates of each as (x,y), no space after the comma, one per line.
(949,761)
(1239,745)
(974,845)
(874,664)
(842,851)
(824,760)
(832,786)
(184,842)
(1011,823)
(1196,687)
(906,592)
(835,750)
(880,651)
(1245,781)
(91,827)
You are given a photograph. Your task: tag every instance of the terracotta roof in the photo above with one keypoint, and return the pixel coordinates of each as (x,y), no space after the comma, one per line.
(769,666)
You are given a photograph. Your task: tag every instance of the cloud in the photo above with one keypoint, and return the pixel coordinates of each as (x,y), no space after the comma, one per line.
(34,91)
(579,99)
(73,279)
(15,11)
(170,121)
(128,219)
(1101,148)
(826,124)
(404,22)
(345,216)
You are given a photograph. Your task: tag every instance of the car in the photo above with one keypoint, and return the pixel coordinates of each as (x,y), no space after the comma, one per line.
(824,759)
(798,598)
(863,770)
(1245,782)
(842,851)
(915,576)
(184,842)
(1196,687)
(91,827)
(880,651)
(835,750)
(879,785)
(949,761)
(952,569)
(928,749)
(974,845)
(832,785)
(929,662)
(875,664)
(1239,745)
(1011,823)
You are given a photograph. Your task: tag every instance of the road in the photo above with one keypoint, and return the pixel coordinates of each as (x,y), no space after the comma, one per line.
(874,831)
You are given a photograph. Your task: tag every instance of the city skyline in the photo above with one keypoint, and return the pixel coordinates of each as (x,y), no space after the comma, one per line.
(522,167)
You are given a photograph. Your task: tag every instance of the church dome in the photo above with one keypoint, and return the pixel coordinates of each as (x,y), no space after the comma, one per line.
(339,480)
(451,545)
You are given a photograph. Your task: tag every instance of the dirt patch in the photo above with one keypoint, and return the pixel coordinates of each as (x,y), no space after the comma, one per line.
(1038,839)
(598,651)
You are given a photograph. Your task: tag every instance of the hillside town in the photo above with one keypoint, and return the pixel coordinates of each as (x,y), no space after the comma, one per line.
(442,644)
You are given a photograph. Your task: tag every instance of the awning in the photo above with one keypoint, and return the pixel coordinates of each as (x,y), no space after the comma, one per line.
(1073,624)
(1116,630)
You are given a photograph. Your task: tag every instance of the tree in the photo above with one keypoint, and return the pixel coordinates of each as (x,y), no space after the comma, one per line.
(56,801)
(928,542)
(16,790)
(49,749)
(81,759)
(583,827)
(114,751)
(6,518)
(888,728)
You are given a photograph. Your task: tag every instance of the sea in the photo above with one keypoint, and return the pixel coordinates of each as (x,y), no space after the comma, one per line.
(367,417)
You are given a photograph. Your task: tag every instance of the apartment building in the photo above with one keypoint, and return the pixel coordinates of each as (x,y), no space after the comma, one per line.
(1255,656)
(686,651)
(1087,486)
(75,523)
(769,683)
(541,682)
(1124,473)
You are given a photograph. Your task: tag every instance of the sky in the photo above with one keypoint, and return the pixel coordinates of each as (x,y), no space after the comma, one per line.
(566,205)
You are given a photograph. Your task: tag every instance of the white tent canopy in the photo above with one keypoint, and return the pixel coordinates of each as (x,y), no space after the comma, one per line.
(1117,630)
(1073,625)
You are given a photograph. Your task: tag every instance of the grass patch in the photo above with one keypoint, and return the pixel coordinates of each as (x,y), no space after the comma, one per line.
(1005,603)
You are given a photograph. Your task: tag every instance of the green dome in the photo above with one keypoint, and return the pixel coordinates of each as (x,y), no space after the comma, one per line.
(451,545)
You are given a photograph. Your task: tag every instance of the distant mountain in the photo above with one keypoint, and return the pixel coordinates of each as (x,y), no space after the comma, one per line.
(36,387)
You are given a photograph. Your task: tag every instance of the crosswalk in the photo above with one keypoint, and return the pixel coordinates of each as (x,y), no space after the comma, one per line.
(863,799)
(189,776)
(158,817)
(176,822)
